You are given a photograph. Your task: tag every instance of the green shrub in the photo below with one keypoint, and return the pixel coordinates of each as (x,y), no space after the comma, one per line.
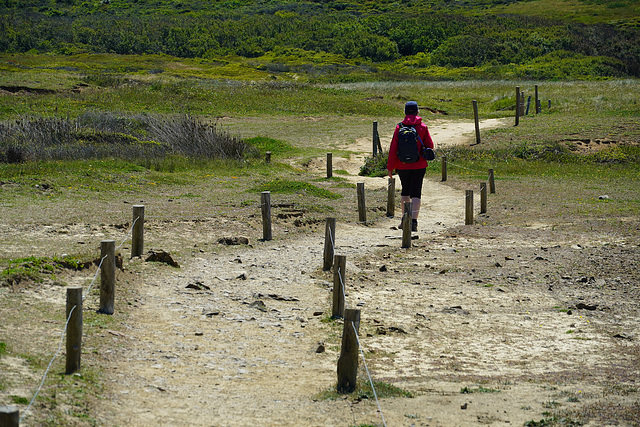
(375,166)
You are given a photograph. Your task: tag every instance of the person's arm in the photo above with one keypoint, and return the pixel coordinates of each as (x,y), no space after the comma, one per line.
(392,160)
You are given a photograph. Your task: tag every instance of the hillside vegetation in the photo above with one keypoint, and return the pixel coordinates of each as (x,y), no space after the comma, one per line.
(346,40)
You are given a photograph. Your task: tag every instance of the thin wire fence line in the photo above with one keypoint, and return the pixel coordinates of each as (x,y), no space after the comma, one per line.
(364,360)
(66,326)
(46,372)
(373,388)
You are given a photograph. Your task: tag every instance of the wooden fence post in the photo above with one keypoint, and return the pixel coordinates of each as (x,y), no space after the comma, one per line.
(267,157)
(348,361)
(9,416)
(492,182)
(476,120)
(329,243)
(444,168)
(468,217)
(74,329)
(483,197)
(107,276)
(265,202)
(362,210)
(329,165)
(375,139)
(391,197)
(339,278)
(137,234)
(517,105)
(406,224)
(537,101)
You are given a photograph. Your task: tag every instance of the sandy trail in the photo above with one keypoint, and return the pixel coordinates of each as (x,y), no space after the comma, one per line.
(242,349)
(218,357)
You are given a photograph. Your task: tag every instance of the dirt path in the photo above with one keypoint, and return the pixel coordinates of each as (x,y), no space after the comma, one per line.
(232,337)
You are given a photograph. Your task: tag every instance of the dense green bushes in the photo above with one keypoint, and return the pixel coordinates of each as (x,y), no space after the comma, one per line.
(250,29)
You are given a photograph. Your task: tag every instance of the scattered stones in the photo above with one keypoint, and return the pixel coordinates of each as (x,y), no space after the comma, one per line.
(198,285)
(233,241)
(259,305)
(583,306)
(162,257)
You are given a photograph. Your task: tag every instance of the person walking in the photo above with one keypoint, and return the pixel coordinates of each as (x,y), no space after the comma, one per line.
(411,172)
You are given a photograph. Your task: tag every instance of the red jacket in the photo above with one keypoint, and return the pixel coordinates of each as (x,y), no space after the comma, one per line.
(423,132)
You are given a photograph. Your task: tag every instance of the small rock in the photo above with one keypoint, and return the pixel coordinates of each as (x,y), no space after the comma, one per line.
(383,269)
(163,257)
(259,305)
(583,306)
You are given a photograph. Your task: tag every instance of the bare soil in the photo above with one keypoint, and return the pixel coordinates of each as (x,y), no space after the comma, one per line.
(489,324)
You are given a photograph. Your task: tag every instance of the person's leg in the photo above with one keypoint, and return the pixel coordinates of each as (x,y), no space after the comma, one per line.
(405,193)
(417,178)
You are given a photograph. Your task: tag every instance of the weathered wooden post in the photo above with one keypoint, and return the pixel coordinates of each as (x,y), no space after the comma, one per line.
(375,142)
(468,217)
(348,361)
(476,120)
(339,277)
(9,416)
(267,157)
(444,168)
(329,243)
(517,105)
(492,182)
(137,234)
(329,165)
(549,105)
(265,202)
(107,276)
(406,224)
(391,197)
(526,113)
(537,101)
(74,329)
(362,210)
(483,197)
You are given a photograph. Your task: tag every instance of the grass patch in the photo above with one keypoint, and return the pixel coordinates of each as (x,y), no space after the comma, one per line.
(284,186)
(364,391)
(35,269)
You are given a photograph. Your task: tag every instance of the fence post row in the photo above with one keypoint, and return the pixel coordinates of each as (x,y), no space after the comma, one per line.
(362,210)
(483,197)
(74,329)
(9,416)
(137,235)
(107,276)
(391,197)
(329,245)
(406,225)
(468,218)
(492,182)
(476,120)
(348,361)
(339,277)
(517,105)
(444,168)
(265,202)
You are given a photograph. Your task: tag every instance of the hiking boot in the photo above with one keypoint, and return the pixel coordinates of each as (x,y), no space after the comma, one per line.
(414,225)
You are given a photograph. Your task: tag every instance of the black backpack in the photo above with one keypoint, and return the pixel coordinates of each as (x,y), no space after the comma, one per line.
(408,144)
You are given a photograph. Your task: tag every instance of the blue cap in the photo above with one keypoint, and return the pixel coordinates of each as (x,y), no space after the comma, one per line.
(411,107)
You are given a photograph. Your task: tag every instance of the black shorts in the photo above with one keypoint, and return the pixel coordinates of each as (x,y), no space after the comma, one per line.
(411,180)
